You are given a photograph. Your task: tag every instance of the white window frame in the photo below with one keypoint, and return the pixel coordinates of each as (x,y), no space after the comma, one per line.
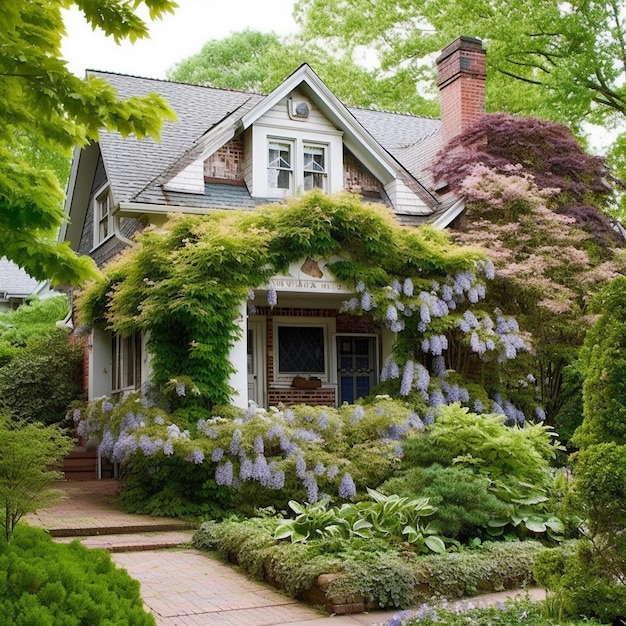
(101,220)
(328,327)
(330,141)
(311,147)
(290,144)
(121,367)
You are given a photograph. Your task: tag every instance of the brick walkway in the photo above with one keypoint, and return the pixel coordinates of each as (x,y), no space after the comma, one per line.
(181,586)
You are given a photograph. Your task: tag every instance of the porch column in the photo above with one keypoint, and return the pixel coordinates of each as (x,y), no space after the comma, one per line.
(239,359)
(99,346)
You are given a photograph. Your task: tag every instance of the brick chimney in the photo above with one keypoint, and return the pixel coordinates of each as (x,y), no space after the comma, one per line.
(462,73)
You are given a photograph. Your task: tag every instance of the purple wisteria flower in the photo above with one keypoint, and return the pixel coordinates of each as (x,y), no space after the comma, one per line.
(540,414)
(107,406)
(300,467)
(479,407)
(351,305)
(224,474)
(148,446)
(436,398)
(360,287)
(413,420)
(366,301)
(258,445)
(312,490)
(332,472)
(105,448)
(358,414)
(407,378)
(168,448)
(235,443)
(319,468)
(245,470)
(439,366)
(425,314)
(347,488)
(217,455)
(407,287)
(392,314)
(272,296)
(159,420)
(304,434)
(196,456)
(322,420)
(277,480)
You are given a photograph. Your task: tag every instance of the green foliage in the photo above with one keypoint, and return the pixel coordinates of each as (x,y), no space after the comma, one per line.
(604,361)
(29,457)
(172,487)
(253,61)
(368,567)
(579,582)
(512,463)
(508,613)
(57,110)
(543,60)
(202,268)
(42,379)
(162,451)
(463,499)
(35,317)
(392,518)
(46,583)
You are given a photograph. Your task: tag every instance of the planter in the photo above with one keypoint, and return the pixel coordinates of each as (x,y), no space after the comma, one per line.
(299,382)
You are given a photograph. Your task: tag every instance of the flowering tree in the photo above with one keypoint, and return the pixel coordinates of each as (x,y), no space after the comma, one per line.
(535,203)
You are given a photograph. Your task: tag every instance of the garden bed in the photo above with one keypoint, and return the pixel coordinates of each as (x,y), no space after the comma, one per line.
(352,576)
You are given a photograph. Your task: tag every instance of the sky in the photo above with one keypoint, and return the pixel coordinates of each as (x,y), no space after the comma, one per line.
(173,38)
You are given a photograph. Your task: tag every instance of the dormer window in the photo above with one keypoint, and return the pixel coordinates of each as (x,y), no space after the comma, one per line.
(314,167)
(280,168)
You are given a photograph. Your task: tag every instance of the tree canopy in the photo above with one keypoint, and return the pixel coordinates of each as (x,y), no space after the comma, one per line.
(253,61)
(45,107)
(536,202)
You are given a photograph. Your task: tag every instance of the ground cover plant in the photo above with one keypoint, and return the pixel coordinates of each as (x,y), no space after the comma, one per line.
(383,571)
(44,583)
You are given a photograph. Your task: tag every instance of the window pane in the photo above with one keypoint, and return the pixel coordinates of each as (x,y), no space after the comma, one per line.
(314,159)
(279,166)
(300,350)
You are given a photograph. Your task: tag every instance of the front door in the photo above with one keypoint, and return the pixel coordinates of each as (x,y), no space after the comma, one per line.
(356,367)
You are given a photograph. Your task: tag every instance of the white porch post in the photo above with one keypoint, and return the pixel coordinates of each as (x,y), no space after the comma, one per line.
(239,359)
(99,345)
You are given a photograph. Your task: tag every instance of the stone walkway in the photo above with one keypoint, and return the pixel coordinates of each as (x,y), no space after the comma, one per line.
(181,586)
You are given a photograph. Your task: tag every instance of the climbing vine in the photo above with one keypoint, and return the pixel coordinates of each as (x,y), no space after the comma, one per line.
(185,283)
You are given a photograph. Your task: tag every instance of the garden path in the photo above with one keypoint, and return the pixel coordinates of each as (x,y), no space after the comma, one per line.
(181,586)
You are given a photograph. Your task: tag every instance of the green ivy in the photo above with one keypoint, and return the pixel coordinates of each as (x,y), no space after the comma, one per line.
(185,282)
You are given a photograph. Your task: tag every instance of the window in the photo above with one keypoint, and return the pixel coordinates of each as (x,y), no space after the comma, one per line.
(103,219)
(126,357)
(314,167)
(279,171)
(301,350)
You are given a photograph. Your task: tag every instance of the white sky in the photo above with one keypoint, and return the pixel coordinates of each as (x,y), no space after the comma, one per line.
(173,38)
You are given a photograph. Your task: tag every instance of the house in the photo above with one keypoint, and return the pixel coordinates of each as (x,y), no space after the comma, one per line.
(236,151)
(16,286)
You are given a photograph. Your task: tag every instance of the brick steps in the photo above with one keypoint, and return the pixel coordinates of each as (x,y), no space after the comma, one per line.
(82,464)
(133,542)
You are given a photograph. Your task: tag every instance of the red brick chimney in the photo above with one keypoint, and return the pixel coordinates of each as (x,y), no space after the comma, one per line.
(462,73)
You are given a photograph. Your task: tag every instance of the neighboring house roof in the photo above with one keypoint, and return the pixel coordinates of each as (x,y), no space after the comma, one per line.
(16,284)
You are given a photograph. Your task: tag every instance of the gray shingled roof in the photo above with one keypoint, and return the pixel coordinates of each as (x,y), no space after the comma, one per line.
(134,167)
(14,281)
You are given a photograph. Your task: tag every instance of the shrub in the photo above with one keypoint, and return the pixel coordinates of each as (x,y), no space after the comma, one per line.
(370,567)
(42,379)
(47,583)
(462,498)
(29,456)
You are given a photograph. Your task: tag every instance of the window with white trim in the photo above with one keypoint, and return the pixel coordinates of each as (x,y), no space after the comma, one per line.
(302,349)
(126,358)
(280,165)
(103,219)
(314,174)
